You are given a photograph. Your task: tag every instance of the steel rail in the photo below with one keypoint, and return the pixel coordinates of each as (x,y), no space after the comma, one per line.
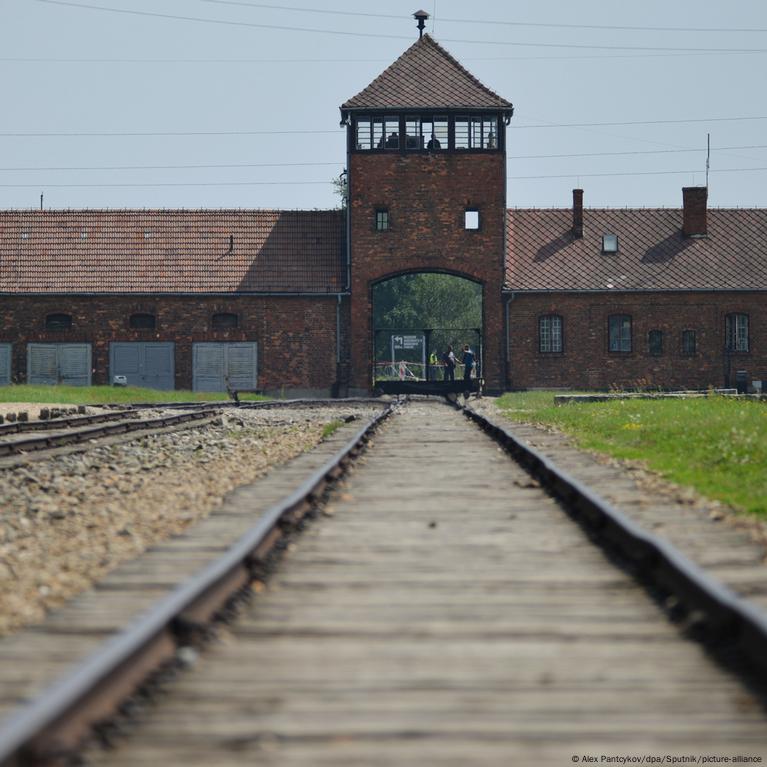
(18,427)
(26,443)
(254,404)
(723,616)
(54,724)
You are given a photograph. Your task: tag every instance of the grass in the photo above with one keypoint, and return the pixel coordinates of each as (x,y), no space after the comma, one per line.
(716,445)
(331,428)
(100,395)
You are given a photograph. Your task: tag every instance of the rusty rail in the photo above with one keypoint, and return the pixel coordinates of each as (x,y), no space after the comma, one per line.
(75,435)
(716,613)
(53,726)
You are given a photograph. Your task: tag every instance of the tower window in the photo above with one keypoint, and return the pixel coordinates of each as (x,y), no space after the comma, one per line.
(471,218)
(224,321)
(142,321)
(382,219)
(476,132)
(58,321)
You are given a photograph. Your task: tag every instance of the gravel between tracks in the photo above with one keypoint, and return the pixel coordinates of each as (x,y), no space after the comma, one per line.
(67,521)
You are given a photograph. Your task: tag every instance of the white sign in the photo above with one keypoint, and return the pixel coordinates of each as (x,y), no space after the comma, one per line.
(407,342)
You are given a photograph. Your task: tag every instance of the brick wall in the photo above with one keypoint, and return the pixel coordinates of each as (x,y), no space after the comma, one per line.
(586,362)
(426,196)
(296,335)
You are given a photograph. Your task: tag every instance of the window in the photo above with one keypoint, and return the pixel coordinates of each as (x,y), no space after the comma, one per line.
(609,243)
(142,321)
(471,218)
(224,321)
(380,132)
(655,342)
(58,322)
(688,342)
(619,333)
(476,132)
(382,219)
(736,330)
(550,333)
(426,133)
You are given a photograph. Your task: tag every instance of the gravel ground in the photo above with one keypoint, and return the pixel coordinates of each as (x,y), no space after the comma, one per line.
(67,521)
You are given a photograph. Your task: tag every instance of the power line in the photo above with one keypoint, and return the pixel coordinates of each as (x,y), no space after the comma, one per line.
(102,134)
(638,122)
(119,134)
(163,184)
(209,166)
(289,28)
(306,183)
(489,22)
(638,173)
(172,167)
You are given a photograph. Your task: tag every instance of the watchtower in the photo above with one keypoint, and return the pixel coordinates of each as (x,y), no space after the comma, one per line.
(426,162)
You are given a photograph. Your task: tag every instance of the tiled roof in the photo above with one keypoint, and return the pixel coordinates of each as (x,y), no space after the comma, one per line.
(653,254)
(171,251)
(426,76)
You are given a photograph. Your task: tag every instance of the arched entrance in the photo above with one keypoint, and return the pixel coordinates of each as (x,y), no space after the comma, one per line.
(416,318)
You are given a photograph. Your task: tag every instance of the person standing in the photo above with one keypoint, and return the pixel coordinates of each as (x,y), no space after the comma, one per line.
(468,362)
(449,361)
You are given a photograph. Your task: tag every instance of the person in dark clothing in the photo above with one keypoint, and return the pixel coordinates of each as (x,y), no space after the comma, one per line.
(449,361)
(468,362)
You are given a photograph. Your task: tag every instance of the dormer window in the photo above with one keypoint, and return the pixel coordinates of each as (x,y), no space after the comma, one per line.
(609,243)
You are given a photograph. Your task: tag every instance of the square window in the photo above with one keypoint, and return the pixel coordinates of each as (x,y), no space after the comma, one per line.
(471,218)
(382,220)
(609,243)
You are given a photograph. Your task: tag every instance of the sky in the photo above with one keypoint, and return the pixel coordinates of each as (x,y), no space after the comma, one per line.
(234,103)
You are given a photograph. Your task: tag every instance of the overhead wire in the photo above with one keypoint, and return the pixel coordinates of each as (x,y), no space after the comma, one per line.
(379,35)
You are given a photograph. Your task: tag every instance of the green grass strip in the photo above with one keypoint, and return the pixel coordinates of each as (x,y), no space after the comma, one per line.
(100,395)
(717,445)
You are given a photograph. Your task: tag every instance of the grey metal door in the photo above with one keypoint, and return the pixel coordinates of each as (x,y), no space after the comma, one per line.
(216,364)
(148,364)
(68,364)
(5,364)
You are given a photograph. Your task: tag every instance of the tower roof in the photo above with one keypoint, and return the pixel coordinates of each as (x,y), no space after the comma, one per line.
(426,76)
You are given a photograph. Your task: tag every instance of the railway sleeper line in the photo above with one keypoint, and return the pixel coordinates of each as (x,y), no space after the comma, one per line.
(129,666)
(76,434)
(115,681)
(709,610)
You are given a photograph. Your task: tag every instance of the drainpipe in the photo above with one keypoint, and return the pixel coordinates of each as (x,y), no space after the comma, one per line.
(507,328)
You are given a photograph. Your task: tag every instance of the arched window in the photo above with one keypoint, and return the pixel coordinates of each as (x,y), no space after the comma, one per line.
(224,321)
(142,321)
(550,333)
(58,321)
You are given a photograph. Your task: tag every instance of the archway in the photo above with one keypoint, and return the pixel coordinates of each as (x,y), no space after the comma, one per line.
(416,317)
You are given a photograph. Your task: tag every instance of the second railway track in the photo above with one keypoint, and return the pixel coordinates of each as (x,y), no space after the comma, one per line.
(446,612)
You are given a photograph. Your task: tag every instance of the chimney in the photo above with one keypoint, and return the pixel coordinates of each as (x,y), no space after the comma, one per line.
(694,211)
(578,213)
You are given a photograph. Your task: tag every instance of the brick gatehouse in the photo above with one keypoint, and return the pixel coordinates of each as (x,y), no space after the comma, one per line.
(282,300)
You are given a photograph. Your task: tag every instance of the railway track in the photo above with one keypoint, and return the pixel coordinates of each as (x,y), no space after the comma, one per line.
(38,436)
(460,616)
